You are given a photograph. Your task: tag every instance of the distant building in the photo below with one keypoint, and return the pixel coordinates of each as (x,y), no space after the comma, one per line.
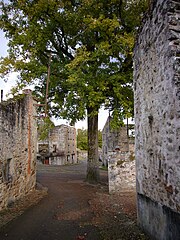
(60,146)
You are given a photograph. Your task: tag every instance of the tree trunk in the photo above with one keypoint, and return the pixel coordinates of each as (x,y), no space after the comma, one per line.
(93,159)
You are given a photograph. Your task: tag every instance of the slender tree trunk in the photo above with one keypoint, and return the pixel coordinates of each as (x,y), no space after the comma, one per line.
(93,159)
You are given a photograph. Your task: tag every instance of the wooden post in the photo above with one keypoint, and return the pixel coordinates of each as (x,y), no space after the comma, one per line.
(47,84)
(1,95)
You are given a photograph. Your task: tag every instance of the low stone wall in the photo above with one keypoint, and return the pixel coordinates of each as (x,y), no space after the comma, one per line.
(121,171)
(18,134)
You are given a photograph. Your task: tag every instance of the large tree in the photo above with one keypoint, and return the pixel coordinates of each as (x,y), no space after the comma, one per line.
(90,46)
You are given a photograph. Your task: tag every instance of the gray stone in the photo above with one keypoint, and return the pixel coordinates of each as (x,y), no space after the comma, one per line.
(118,155)
(60,146)
(18,140)
(157,108)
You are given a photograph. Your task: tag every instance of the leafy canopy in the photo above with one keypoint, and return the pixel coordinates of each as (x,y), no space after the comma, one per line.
(82,139)
(90,43)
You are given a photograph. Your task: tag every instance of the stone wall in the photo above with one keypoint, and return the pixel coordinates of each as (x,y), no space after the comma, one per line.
(157,120)
(60,146)
(121,172)
(118,155)
(18,136)
(114,139)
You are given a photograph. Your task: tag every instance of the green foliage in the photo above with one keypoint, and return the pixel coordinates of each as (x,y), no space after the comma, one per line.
(82,139)
(43,128)
(90,43)
(91,46)
(100,139)
(104,168)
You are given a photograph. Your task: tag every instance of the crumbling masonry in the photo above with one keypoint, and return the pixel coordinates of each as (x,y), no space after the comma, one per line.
(18,136)
(118,154)
(157,120)
(59,147)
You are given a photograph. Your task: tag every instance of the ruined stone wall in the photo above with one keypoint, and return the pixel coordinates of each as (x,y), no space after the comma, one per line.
(118,155)
(59,147)
(157,120)
(114,139)
(72,145)
(58,138)
(18,136)
(121,172)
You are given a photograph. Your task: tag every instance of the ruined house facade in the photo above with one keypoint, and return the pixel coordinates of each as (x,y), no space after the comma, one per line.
(118,155)
(60,146)
(157,120)
(18,140)
(113,139)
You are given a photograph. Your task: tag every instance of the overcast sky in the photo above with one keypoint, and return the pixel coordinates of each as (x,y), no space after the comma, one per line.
(3,53)
(12,78)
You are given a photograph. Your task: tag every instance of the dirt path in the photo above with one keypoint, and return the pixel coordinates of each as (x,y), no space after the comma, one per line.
(75,210)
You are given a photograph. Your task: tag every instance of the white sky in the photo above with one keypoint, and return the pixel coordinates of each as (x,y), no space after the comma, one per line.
(6,86)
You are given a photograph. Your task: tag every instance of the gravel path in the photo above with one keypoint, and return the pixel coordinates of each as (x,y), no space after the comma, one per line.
(72,210)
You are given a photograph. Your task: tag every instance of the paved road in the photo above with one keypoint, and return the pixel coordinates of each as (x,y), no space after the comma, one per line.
(64,214)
